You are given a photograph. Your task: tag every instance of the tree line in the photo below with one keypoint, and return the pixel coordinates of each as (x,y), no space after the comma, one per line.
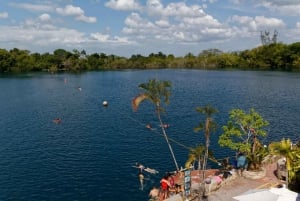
(275,56)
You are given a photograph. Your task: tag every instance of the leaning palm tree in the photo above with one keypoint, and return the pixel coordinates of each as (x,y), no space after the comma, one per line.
(157,92)
(208,126)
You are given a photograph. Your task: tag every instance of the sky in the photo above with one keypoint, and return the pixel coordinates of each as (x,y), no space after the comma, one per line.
(131,27)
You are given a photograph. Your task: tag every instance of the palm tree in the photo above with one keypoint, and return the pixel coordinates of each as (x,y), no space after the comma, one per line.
(284,148)
(195,154)
(157,92)
(208,126)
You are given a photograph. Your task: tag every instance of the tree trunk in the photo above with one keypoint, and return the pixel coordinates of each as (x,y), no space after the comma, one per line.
(166,138)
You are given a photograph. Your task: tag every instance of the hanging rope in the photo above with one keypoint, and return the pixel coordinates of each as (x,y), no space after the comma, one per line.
(156,132)
(218,161)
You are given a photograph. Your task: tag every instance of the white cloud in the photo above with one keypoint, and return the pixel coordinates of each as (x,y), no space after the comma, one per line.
(176,23)
(123,4)
(3,15)
(295,32)
(210,1)
(86,19)
(286,7)
(100,37)
(44,17)
(36,36)
(206,20)
(258,23)
(33,7)
(162,23)
(154,7)
(268,22)
(153,24)
(70,10)
(181,9)
(77,12)
(106,38)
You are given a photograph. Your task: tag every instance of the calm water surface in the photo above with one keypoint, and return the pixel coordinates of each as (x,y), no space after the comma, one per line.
(89,156)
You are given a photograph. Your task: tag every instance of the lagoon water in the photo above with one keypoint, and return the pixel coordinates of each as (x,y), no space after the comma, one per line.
(90,154)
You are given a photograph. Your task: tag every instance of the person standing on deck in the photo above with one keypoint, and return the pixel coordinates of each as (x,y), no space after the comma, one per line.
(241,163)
(165,184)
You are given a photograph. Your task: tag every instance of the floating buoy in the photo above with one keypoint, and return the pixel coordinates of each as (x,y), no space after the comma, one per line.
(105,103)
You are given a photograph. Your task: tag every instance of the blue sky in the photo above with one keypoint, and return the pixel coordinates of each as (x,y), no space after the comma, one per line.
(127,27)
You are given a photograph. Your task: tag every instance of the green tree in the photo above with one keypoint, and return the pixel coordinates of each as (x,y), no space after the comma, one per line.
(242,132)
(23,60)
(291,153)
(6,61)
(157,92)
(59,58)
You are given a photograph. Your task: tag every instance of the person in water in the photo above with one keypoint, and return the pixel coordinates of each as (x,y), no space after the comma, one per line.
(57,120)
(141,178)
(140,166)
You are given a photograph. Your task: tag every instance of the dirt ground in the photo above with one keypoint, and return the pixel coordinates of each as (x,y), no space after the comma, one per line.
(241,184)
(232,187)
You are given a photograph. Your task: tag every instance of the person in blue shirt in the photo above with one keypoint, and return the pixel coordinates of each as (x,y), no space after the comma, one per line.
(241,163)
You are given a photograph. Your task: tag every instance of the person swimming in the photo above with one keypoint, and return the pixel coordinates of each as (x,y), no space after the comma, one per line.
(57,120)
(141,178)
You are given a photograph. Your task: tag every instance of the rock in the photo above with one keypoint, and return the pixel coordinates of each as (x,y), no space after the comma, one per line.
(255,174)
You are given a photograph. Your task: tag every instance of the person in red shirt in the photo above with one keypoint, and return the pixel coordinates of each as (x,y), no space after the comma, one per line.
(164,184)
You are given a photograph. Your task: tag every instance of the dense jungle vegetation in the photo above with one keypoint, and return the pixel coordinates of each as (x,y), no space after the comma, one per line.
(276,56)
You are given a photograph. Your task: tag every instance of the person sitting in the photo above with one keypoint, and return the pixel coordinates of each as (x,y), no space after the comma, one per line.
(178,188)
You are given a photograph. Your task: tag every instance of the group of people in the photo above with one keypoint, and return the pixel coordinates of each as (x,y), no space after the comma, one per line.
(149,126)
(168,188)
(141,176)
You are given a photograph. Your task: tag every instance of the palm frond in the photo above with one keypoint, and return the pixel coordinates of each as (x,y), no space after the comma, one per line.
(137,100)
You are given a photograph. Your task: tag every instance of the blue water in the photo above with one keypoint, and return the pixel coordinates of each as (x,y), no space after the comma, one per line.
(89,156)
